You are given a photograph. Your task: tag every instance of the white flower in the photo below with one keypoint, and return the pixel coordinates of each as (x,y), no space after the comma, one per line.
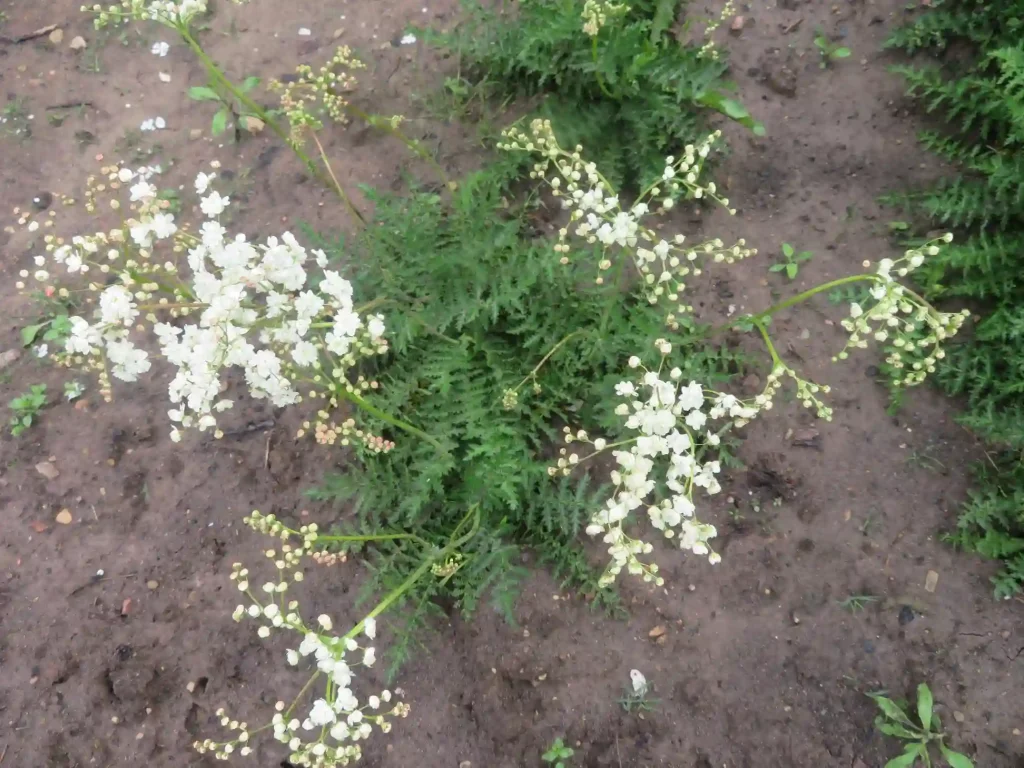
(202,182)
(324,621)
(40,350)
(625,389)
(634,361)
(370,627)
(304,354)
(408,39)
(292,656)
(127,361)
(369,657)
(214,204)
(143,190)
(84,339)
(691,396)
(117,306)
(160,49)
(375,327)
(321,714)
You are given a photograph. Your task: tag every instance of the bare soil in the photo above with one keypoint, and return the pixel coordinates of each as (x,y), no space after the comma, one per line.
(106,621)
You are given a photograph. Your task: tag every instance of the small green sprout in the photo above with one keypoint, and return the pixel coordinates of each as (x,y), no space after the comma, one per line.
(791,261)
(26,408)
(557,753)
(829,51)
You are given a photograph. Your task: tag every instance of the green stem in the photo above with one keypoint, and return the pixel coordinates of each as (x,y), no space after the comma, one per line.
(215,74)
(544,359)
(359,402)
(401,589)
(801,297)
(385,124)
(776,360)
(597,71)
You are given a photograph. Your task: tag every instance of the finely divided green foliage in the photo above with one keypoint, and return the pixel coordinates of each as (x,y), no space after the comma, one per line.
(475,298)
(984,201)
(631,95)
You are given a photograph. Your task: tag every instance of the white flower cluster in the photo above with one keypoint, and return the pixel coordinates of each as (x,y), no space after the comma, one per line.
(165,11)
(256,307)
(329,732)
(596,12)
(911,329)
(600,219)
(671,433)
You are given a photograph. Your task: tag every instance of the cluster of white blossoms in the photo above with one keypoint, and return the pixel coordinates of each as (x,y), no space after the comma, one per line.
(911,329)
(596,12)
(600,219)
(710,50)
(328,730)
(164,11)
(256,307)
(670,442)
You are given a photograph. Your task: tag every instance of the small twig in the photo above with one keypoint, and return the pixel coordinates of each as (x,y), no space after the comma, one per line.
(30,36)
(618,755)
(72,105)
(792,27)
(266,453)
(3,754)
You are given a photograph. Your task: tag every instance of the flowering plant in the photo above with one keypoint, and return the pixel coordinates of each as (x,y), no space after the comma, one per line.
(212,302)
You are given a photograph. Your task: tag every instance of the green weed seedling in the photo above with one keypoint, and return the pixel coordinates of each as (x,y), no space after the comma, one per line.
(791,261)
(557,754)
(229,106)
(829,51)
(895,720)
(857,603)
(26,408)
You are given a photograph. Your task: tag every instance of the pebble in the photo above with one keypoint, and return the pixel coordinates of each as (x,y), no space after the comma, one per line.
(57,36)
(152,584)
(47,470)
(958,716)
(64,517)
(8,357)
(931,581)
(78,43)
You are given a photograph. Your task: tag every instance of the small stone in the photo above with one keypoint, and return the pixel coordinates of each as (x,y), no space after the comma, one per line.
(796,619)
(78,43)
(8,357)
(465,764)
(47,470)
(191,686)
(958,716)
(152,584)
(195,133)
(1005,634)
(338,33)
(931,581)
(1016,731)
(57,36)
(64,517)
(252,124)
(805,334)
(806,438)
(737,24)
(906,615)
(657,632)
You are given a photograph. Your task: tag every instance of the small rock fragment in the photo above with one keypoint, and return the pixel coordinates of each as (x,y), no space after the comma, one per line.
(8,357)
(78,43)
(958,716)
(195,133)
(931,581)
(806,438)
(737,25)
(152,584)
(64,517)
(252,124)
(191,686)
(47,470)
(126,606)
(657,632)
(57,36)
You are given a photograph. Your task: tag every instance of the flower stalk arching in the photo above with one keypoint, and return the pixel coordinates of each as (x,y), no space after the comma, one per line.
(338,722)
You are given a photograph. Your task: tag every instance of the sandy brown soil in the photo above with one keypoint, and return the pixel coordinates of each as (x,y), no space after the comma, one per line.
(758,665)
